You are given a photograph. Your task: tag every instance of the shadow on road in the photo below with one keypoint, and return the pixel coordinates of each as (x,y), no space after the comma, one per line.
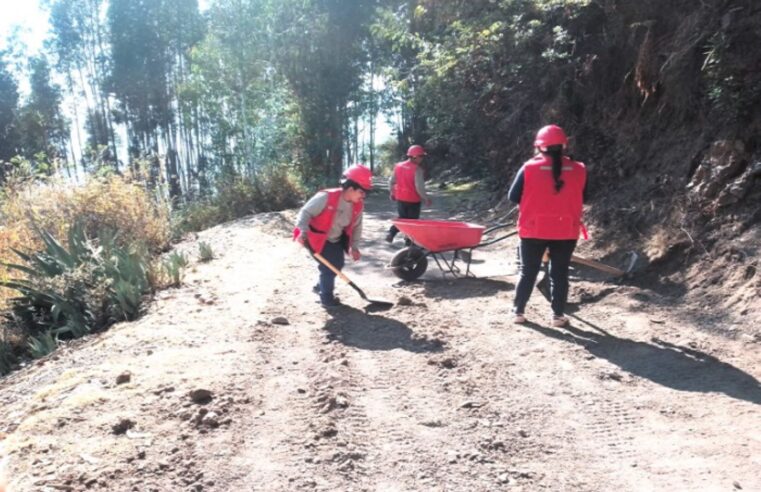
(355,328)
(465,288)
(664,363)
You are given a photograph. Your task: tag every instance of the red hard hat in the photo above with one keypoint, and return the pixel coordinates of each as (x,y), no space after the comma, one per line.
(416,151)
(550,135)
(361,175)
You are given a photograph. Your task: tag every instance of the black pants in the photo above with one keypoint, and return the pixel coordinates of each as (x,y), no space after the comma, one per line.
(532,251)
(407,210)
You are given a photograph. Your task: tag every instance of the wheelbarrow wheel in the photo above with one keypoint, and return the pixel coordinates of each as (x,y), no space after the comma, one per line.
(409,263)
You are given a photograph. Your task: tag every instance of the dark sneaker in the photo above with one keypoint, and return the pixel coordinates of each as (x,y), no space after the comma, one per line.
(389,238)
(331,303)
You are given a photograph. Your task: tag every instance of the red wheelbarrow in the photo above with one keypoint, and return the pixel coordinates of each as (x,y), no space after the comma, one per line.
(435,237)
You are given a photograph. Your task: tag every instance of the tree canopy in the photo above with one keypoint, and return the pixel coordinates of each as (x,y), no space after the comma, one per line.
(185,98)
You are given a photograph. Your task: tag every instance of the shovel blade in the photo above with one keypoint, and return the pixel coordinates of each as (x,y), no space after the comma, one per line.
(373,304)
(378,305)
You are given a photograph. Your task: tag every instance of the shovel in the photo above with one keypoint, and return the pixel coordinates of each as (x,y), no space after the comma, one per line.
(606,268)
(543,284)
(374,304)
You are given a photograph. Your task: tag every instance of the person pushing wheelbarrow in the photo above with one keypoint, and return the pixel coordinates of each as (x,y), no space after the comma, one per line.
(549,190)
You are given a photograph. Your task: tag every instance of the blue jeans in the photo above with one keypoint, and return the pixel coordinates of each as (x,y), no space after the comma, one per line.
(532,251)
(334,253)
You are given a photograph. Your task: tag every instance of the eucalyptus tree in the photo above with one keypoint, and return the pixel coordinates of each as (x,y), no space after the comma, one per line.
(230,80)
(321,50)
(9,98)
(149,43)
(243,109)
(182,27)
(42,127)
(79,43)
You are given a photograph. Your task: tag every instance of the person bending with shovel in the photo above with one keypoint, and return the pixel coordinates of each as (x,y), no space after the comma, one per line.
(330,224)
(549,190)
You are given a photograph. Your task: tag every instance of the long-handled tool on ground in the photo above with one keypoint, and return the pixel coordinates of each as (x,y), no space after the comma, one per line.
(605,268)
(543,284)
(375,304)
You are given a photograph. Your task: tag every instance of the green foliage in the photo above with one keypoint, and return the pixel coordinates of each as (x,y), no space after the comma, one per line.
(42,345)
(174,268)
(43,130)
(731,97)
(128,273)
(324,70)
(9,97)
(74,289)
(240,99)
(274,188)
(6,357)
(205,252)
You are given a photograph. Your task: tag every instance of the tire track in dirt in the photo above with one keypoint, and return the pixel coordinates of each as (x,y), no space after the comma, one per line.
(402,413)
(537,409)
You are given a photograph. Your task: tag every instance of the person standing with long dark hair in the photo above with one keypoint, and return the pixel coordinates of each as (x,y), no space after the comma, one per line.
(549,190)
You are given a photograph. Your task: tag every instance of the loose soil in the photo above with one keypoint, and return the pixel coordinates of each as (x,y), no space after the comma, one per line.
(240,381)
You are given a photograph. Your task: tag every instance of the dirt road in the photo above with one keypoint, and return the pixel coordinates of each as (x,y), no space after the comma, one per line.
(239,381)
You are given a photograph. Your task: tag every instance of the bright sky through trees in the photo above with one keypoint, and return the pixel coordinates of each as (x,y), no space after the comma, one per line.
(31,22)
(28,18)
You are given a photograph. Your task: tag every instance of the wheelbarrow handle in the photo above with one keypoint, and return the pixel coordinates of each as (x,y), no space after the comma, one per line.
(498,227)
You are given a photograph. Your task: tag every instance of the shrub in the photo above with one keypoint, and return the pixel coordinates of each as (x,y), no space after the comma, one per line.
(108,203)
(205,253)
(42,345)
(237,196)
(71,291)
(174,267)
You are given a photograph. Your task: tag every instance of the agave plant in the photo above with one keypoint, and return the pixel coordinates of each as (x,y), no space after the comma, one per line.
(48,301)
(205,253)
(72,291)
(174,266)
(43,344)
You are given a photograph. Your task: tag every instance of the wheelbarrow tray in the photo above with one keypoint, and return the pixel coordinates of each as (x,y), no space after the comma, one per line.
(441,235)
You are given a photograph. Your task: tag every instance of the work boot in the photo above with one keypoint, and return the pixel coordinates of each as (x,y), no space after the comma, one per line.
(331,303)
(559,321)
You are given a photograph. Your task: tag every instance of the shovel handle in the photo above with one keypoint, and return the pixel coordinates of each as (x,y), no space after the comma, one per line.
(597,265)
(332,268)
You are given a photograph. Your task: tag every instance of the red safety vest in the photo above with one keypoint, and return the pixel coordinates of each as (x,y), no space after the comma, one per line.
(320,225)
(404,186)
(545,213)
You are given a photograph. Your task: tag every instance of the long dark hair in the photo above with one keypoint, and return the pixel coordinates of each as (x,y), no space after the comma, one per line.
(556,153)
